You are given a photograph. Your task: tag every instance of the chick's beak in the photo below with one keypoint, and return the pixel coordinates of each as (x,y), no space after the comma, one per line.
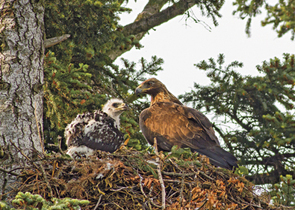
(123,106)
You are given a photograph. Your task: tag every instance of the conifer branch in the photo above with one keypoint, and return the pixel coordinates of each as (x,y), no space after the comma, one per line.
(55,40)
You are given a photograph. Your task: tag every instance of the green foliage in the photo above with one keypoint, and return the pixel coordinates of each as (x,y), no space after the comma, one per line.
(33,202)
(80,76)
(66,88)
(67,92)
(280,15)
(93,26)
(184,156)
(242,171)
(209,9)
(4,205)
(248,8)
(258,113)
(181,153)
(284,192)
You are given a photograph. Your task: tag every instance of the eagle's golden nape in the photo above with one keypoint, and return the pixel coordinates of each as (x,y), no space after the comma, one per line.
(96,131)
(172,123)
(154,88)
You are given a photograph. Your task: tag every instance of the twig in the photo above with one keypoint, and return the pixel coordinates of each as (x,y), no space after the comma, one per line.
(203,173)
(244,203)
(188,174)
(57,191)
(28,159)
(151,189)
(178,174)
(63,158)
(190,193)
(9,172)
(160,174)
(98,202)
(53,168)
(59,138)
(114,204)
(203,204)
(46,180)
(181,191)
(175,181)
(42,169)
(119,189)
(141,189)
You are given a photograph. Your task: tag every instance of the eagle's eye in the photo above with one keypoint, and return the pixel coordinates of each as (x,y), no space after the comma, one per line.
(115,105)
(150,83)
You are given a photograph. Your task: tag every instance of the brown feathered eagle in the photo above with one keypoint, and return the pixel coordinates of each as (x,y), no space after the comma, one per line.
(172,123)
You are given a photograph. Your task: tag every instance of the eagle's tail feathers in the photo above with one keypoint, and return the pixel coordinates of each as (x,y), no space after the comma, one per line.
(219,157)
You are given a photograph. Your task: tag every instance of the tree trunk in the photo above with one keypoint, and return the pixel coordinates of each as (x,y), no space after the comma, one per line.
(21,79)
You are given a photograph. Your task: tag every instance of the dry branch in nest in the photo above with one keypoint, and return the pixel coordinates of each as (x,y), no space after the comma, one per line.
(129,179)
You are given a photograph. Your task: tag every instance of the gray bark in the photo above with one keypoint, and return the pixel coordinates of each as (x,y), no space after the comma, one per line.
(21,79)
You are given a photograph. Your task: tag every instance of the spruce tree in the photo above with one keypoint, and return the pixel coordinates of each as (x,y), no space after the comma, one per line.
(254,115)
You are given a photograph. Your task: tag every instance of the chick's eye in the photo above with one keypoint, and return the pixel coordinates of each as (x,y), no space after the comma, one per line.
(115,105)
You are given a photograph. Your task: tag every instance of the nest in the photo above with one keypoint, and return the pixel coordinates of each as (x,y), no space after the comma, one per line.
(129,179)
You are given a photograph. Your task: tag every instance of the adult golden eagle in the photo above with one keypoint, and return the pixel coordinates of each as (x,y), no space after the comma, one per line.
(96,131)
(172,123)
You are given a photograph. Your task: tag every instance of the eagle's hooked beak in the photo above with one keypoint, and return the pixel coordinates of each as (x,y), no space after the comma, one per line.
(140,89)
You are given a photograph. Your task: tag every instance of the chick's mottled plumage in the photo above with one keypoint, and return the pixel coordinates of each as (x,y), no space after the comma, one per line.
(96,131)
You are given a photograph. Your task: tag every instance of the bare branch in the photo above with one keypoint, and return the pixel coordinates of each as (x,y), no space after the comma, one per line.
(270,177)
(142,191)
(59,138)
(160,174)
(9,172)
(38,168)
(24,155)
(146,24)
(178,174)
(55,40)
(181,192)
(151,17)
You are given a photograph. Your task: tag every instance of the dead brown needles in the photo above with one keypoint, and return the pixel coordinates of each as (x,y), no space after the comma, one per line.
(129,179)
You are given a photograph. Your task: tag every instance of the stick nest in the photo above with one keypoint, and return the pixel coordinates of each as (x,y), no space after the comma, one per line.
(129,179)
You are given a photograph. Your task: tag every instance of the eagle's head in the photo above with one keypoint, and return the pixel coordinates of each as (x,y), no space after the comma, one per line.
(114,108)
(151,86)
(157,90)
